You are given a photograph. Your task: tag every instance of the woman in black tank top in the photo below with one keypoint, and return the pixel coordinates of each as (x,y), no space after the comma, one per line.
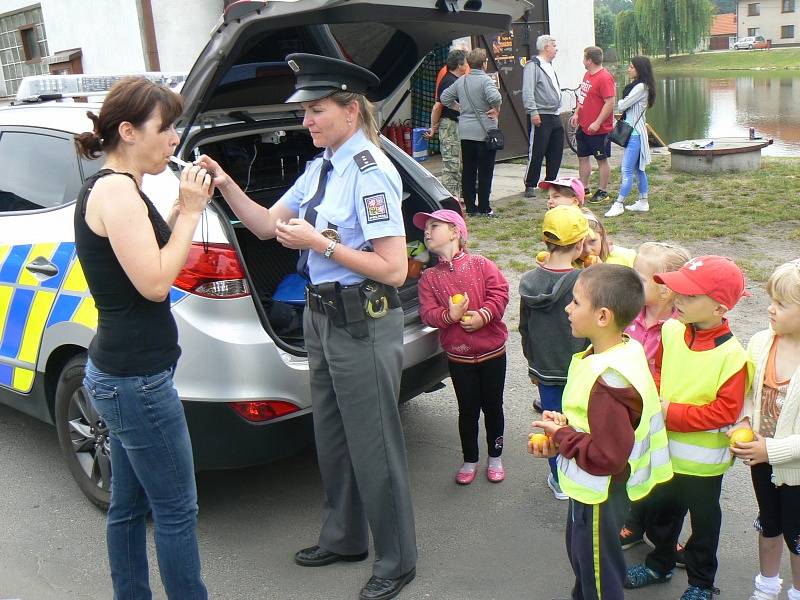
(131,257)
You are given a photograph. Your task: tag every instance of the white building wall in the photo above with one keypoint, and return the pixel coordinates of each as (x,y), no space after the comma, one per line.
(107,32)
(572,24)
(183,28)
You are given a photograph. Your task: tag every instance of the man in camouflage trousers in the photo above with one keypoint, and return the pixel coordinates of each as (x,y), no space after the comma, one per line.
(445,121)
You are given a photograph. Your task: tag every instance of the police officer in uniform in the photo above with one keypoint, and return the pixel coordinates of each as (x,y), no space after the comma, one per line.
(344,216)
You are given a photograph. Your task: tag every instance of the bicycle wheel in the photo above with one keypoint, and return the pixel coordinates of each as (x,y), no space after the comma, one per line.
(570,132)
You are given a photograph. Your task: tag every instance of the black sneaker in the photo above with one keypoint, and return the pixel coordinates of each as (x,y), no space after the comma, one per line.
(598,197)
(530,192)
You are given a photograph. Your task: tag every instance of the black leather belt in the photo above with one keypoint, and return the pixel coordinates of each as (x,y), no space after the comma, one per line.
(349,306)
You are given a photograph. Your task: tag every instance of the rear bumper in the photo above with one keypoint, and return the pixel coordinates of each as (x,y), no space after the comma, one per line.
(221,439)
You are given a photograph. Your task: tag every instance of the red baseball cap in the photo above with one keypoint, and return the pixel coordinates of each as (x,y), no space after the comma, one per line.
(448,216)
(717,277)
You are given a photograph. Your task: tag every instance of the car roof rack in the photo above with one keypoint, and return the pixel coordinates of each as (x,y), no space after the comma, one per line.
(45,88)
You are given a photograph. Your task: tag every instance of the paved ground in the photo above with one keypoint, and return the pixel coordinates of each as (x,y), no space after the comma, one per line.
(480,542)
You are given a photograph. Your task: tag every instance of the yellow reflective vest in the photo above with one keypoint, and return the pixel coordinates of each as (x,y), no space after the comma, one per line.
(692,377)
(649,459)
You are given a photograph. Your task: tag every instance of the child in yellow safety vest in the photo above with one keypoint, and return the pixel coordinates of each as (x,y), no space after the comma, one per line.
(610,441)
(703,374)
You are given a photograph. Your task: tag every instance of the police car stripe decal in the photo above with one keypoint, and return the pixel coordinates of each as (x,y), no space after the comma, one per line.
(17,315)
(23,379)
(176,294)
(40,309)
(64,309)
(13,263)
(86,313)
(76,281)
(61,261)
(3,253)
(5,302)
(6,374)
(38,250)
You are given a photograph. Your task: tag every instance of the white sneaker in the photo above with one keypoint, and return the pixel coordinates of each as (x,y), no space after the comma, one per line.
(616,210)
(553,485)
(639,206)
(761,595)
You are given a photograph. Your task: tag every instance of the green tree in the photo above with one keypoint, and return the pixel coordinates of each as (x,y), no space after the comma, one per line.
(603,26)
(626,38)
(671,26)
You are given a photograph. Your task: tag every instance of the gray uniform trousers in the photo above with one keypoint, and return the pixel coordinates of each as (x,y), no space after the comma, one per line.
(360,445)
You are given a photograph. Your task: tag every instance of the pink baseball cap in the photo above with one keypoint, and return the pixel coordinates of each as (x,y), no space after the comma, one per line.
(445,215)
(569,182)
(717,277)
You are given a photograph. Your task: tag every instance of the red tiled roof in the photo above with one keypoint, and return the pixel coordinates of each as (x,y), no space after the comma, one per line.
(724,24)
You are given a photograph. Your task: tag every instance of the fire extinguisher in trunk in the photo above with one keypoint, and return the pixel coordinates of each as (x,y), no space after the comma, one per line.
(406,128)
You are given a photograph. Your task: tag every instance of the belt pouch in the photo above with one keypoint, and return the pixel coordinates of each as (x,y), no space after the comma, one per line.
(331,301)
(355,319)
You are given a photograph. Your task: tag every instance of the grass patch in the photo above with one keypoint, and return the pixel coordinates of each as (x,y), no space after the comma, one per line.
(683,209)
(734,60)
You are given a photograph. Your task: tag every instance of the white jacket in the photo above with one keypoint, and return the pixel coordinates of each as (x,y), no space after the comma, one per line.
(783,450)
(635,103)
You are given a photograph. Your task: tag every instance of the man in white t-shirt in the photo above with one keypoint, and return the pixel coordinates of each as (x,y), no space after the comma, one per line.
(541,96)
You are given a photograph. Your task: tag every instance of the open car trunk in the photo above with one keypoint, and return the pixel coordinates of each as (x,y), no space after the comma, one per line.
(265,170)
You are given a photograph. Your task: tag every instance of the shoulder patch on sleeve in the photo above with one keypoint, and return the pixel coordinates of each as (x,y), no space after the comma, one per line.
(364,161)
(376,208)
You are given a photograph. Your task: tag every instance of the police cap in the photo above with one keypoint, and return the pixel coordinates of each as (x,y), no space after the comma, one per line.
(321,76)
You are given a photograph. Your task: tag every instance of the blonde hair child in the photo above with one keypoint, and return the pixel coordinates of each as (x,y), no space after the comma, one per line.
(773,412)
(602,247)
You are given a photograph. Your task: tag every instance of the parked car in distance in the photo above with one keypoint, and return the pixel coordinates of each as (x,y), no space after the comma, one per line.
(753,42)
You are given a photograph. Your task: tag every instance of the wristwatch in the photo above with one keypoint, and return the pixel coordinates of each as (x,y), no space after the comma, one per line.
(329,250)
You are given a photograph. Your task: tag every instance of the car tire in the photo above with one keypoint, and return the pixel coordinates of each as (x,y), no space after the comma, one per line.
(750,47)
(82,434)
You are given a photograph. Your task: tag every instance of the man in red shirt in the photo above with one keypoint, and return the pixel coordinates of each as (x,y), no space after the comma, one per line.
(594,117)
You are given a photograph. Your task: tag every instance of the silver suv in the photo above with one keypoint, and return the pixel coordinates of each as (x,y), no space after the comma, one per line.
(243,375)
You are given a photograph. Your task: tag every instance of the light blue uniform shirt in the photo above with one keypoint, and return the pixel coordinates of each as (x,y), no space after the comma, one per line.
(362,198)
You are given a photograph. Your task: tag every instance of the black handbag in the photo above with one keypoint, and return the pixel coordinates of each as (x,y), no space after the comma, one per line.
(495,140)
(621,134)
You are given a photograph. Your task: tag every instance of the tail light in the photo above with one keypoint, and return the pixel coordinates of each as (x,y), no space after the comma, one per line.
(263,410)
(213,271)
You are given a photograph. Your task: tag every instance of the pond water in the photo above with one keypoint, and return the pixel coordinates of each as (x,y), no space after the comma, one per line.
(690,106)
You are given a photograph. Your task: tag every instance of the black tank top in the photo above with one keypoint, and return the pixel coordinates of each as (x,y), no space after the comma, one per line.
(135,336)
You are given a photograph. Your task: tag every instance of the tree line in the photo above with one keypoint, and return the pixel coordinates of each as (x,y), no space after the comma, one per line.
(655,27)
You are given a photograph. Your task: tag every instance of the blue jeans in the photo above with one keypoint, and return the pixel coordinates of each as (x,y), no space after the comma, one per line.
(550,396)
(153,469)
(630,163)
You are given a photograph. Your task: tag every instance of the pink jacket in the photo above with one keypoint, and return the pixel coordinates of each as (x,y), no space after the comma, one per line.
(650,338)
(487,289)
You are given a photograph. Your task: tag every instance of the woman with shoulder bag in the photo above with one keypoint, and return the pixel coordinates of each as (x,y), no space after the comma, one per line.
(637,97)
(130,257)
(479,101)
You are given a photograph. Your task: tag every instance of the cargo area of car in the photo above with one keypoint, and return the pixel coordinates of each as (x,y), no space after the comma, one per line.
(265,166)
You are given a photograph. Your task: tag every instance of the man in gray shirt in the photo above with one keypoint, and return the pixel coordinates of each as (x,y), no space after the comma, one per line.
(541,96)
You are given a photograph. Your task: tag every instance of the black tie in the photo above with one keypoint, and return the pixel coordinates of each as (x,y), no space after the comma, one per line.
(311,214)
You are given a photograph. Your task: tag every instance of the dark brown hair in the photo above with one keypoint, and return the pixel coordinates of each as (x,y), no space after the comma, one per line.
(615,287)
(132,99)
(594,54)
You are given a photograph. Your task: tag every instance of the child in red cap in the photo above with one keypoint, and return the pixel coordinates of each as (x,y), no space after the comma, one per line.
(471,331)
(702,372)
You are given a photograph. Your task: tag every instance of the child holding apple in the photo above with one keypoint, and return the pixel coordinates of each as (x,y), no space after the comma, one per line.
(702,373)
(610,441)
(465,296)
(773,412)
(545,292)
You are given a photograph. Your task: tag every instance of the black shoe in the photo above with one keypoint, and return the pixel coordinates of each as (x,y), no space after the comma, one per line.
(537,406)
(530,192)
(488,213)
(598,197)
(318,557)
(472,213)
(378,588)
(630,536)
